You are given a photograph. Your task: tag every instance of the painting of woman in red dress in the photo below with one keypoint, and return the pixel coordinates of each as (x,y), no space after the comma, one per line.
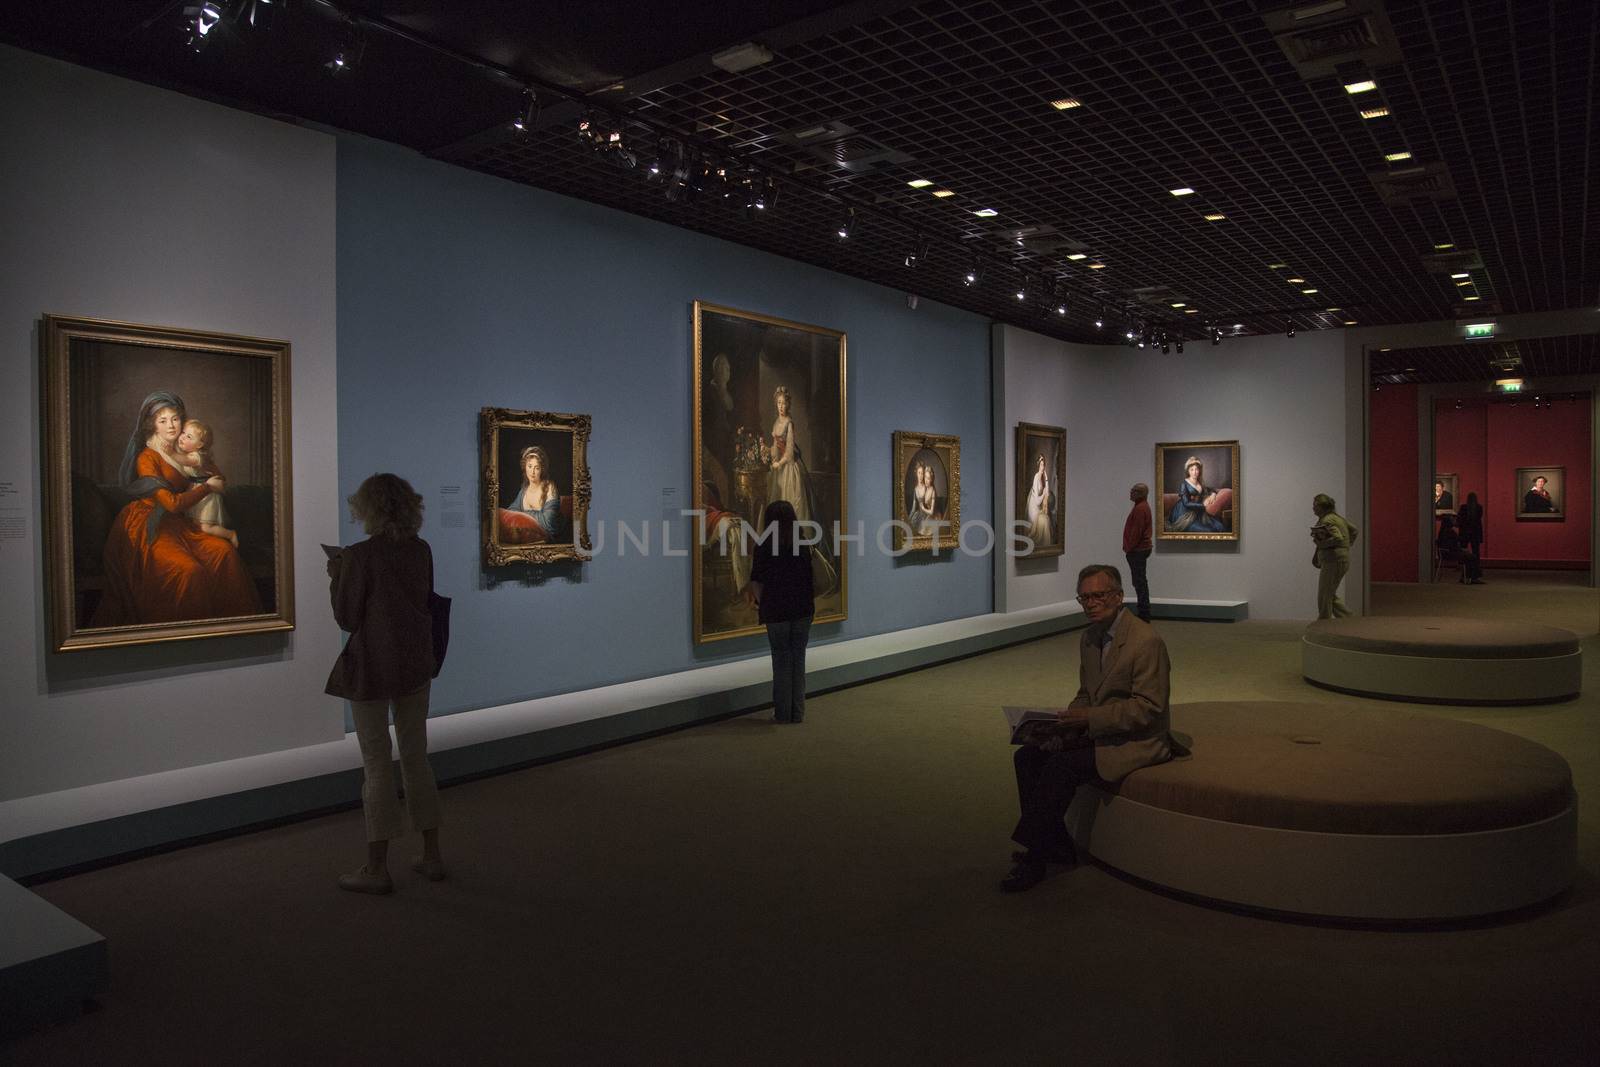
(159,565)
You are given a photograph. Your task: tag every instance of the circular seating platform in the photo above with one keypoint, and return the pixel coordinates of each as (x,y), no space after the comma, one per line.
(1443,660)
(1348,812)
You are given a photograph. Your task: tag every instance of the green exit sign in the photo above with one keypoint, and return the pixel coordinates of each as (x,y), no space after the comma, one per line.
(1478,330)
(1509,385)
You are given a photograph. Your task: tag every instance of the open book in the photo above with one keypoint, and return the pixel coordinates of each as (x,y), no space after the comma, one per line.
(1041,722)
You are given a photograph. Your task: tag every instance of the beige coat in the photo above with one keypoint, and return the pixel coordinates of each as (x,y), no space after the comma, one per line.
(1127,701)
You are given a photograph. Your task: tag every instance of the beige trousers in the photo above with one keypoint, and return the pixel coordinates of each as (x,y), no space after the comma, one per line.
(378,801)
(1334,566)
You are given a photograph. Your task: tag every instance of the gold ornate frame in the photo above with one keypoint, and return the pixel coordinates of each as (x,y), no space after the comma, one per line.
(947,447)
(1024,475)
(1158,489)
(697,495)
(57,333)
(1525,476)
(498,554)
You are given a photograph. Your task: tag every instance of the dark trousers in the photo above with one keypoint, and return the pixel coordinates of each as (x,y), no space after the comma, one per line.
(788,641)
(1046,782)
(1141,584)
(1471,569)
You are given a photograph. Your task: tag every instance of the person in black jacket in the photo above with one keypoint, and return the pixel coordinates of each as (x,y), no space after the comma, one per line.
(780,588)
(1450,548)
(380,594)
(1469,522)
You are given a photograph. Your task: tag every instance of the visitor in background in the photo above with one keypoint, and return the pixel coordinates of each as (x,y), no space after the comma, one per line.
(1136,546)
(380,592)
(1451,548)
(1469,523)
(782,592)
(1333,535)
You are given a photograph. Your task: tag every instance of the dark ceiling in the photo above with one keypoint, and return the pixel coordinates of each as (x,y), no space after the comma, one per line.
(1537,360)
(1244,102)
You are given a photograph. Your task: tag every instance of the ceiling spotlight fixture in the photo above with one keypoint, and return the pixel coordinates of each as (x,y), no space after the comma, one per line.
(1290,329)
(1216,335)
(972,275)
(1066,103)
(986,212)
(1366,85)
(919,183)
(1022,290)
(1061,309)
(1100,318)
(1397,157)
(847,224)
(942,193)
(1374,112)
(918,252)
(1179,343)
(1181,191)
(1216,216)
(525,118)
(352,45)
(200,21)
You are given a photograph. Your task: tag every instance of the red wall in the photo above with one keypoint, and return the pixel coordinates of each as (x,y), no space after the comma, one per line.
(1393,514)
(1485,443)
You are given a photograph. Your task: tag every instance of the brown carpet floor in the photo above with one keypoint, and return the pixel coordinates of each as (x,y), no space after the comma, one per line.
(747,893)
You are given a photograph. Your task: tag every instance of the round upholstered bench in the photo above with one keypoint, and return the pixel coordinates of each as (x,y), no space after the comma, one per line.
(1443,660)
(1338,811)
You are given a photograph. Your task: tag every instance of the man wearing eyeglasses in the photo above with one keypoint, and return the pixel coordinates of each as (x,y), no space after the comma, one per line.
(1117,723)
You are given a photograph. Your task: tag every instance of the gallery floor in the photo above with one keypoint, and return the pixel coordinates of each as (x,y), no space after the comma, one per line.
(747,893)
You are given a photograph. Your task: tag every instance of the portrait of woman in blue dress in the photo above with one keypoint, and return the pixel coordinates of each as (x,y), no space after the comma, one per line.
(1189,514)
(539,498)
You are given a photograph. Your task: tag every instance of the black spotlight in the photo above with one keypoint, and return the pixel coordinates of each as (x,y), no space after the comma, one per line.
(1289,328)
(352,46)
(917,254)
(1216,335)
(972,275)
(618,152)
(1179,343)
(1100,318)
(528,115)
(259,14)
(1166,346)
(200,21)
(1061,309)
(1022,289)
(847,224)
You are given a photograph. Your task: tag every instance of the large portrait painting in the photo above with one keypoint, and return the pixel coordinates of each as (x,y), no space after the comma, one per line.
(1446,491)
(166,470)
(1199,483)
(535,486)
(1039,500)
(769,424)
(1541,494)
(927,499)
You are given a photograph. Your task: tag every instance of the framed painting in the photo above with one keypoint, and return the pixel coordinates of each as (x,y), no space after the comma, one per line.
(927,499)
(1446,489)
(769,424)
(535,486)
(1199,483)
(166,472)
(1541,494)
(1039,492)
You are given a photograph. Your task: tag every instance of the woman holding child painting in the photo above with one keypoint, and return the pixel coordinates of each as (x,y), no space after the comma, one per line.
(159,565)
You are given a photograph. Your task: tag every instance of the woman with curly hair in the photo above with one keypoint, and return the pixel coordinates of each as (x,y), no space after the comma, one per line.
(380,596)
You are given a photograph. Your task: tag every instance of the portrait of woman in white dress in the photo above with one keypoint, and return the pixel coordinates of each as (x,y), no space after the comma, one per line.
(787,479)
(1040,527)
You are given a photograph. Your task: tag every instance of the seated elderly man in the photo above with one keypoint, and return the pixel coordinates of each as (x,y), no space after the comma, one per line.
(1116,724)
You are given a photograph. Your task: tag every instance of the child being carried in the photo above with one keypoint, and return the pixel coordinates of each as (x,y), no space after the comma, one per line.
(194,455)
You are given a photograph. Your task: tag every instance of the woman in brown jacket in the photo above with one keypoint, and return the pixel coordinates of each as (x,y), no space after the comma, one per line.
(380,595)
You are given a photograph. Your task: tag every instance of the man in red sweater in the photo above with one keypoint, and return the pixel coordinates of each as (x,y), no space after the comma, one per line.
(1136,545)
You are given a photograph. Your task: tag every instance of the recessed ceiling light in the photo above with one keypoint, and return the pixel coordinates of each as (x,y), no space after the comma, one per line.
(942,193)
(1463,274)
(1066,103)
(1295,281)
(1192,311)
(1471,298)
(1277,266)
(1185,191)
(1397,157)
(1444,247)
(919,183)
(986,212)
(1374,112)
(1077,256)
(1335,309)
(1467,282)
(1360,87)
(1180,305)
(1097,266)
(1308,292)
(1349,322)
(1215,216)
(1238,326)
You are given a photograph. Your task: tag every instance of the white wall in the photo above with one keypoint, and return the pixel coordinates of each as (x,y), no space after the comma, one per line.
(1282,399)
(129,202)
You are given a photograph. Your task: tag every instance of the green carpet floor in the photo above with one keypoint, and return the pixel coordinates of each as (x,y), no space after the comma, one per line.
(747,893)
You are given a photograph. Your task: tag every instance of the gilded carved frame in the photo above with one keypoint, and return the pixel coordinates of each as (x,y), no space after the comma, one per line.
(1023,485)
(497,550)
(1164,530)
(907,443)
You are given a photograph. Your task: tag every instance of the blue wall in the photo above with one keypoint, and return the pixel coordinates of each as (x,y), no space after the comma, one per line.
(459,291)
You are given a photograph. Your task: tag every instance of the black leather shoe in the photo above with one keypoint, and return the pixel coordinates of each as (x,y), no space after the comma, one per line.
(1067,856)
(1025,874)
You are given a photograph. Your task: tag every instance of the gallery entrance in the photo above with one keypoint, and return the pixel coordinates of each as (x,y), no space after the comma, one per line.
(1482,477)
